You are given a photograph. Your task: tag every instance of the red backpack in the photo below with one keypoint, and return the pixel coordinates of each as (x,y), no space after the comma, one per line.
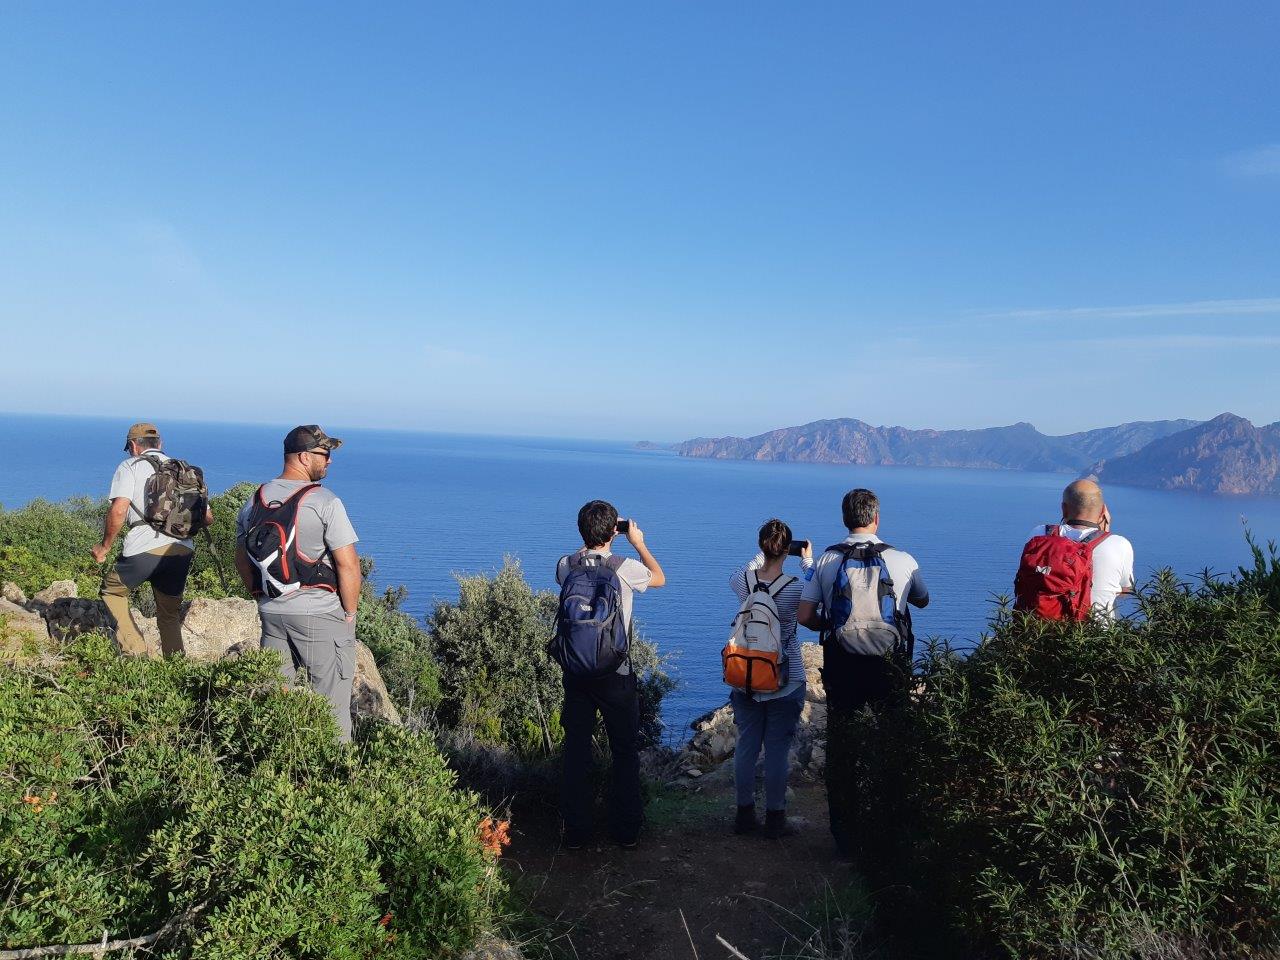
(1055,575)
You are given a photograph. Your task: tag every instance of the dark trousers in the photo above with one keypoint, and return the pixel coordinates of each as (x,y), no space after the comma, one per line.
(618,703)
(852,682)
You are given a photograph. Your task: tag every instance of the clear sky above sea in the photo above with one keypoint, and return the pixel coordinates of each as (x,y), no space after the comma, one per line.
(651,220)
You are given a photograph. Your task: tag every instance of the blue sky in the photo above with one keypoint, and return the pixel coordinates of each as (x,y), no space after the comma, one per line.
(641,221)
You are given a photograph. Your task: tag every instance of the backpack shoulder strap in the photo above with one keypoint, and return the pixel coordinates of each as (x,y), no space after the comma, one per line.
(1091,542)
(615,562)
(779,585)
(752,579)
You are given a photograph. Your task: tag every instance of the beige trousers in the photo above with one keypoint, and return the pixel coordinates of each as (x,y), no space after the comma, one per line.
(115,594)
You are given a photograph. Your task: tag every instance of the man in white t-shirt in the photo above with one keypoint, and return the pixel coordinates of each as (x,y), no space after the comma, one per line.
(615,697)
(147,556)
(1084,515)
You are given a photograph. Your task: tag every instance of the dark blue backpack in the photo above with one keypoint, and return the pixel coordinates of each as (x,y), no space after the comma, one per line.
(864,604)
(591,636)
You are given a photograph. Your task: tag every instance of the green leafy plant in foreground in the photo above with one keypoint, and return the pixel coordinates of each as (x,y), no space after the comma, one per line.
(1092,790)
(134,792)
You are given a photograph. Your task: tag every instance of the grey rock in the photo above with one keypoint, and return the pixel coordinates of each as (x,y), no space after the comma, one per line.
(72,616)
(491,948)
(18,621)
(13,593)
(58,590)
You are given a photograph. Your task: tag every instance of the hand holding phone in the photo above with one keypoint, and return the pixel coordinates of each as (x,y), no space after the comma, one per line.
(798,548)
(624,526)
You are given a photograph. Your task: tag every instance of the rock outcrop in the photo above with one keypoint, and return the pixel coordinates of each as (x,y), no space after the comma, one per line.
(708,756)
(1226,455)
(211,630)
(13,593)
(19,622)
(58,590)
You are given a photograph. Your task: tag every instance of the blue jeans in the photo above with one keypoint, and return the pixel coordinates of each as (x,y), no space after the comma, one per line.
(773,724)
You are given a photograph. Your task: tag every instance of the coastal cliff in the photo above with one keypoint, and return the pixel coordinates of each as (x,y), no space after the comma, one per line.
(1227,454)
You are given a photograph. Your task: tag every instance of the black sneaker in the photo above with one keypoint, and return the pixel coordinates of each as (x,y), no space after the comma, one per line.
(573,840)
(775,825)
(745,822)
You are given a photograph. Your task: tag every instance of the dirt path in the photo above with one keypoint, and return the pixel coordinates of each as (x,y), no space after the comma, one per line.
(613,904)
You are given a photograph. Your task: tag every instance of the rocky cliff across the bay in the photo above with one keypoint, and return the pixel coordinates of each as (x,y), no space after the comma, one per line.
(1227,454)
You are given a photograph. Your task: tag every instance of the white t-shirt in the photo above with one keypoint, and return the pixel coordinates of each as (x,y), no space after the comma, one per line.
(1112,565)
(908,584)
(130,482)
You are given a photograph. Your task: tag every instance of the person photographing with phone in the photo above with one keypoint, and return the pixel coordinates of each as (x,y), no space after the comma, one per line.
(592,645)
(764,667)
(1050,583)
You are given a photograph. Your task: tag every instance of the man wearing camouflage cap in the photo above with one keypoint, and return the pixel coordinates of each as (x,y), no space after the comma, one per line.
(148,555)
(295,552)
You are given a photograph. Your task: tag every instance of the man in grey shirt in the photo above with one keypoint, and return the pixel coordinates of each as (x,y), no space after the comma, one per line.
(295,552)
(147,556)
(854,681)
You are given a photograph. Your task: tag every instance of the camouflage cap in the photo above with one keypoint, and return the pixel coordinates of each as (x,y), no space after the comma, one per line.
(141,431)
(309,437)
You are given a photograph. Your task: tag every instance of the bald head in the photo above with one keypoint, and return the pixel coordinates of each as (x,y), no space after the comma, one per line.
(1082,500)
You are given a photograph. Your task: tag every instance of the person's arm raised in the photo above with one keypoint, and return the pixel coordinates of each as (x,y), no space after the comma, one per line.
(807,615)
(635,536)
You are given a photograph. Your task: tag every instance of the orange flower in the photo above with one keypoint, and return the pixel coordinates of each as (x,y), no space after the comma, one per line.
(494,835)
(385,920)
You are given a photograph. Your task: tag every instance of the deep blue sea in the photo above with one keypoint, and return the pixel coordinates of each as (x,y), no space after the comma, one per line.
(429,506)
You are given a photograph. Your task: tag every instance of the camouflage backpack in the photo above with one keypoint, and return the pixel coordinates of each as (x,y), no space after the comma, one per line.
(176,498)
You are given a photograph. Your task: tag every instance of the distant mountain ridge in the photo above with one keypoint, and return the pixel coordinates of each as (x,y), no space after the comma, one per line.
(1224,455)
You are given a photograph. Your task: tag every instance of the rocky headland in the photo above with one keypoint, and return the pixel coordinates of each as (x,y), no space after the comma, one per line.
(1227,454)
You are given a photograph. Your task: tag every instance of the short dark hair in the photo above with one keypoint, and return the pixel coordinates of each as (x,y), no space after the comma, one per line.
(148,443)
(597,522)
(859,508)
(775,538)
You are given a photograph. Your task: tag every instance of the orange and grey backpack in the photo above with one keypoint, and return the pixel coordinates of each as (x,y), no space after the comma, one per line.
(753,656)
(271,541)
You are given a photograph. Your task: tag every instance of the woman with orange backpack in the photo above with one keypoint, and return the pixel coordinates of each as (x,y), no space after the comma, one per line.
(763,665)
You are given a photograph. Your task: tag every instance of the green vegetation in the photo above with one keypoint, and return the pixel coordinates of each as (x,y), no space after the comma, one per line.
(43,542)
(1092,790)
(138,792)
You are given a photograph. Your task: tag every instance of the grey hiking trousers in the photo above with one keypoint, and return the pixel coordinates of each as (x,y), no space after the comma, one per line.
(322,644)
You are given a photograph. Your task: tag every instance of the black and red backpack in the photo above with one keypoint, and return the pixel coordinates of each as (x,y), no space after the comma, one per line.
(1055,575)
(271,541)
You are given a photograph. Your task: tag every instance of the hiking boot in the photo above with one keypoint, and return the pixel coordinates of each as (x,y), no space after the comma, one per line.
(775,825)
(745,822)
(574,840)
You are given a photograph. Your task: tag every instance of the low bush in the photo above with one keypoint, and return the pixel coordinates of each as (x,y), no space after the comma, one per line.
(497,681)
(1092,790)
(207,800)
(43,542)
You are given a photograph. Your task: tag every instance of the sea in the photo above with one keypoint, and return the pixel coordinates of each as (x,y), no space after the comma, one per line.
(430,507)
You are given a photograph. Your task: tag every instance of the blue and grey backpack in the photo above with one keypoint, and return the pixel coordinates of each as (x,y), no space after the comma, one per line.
(592,639)
(864,604)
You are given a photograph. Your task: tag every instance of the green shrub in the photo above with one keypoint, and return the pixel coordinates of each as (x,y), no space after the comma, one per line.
(44,542)
(497,681)
(400,647)
(1092,790)
(133,791)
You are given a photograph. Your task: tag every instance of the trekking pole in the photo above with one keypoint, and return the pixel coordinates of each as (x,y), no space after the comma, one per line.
(217,561)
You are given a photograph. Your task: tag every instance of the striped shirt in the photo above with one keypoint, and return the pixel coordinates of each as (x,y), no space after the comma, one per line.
(788,602)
